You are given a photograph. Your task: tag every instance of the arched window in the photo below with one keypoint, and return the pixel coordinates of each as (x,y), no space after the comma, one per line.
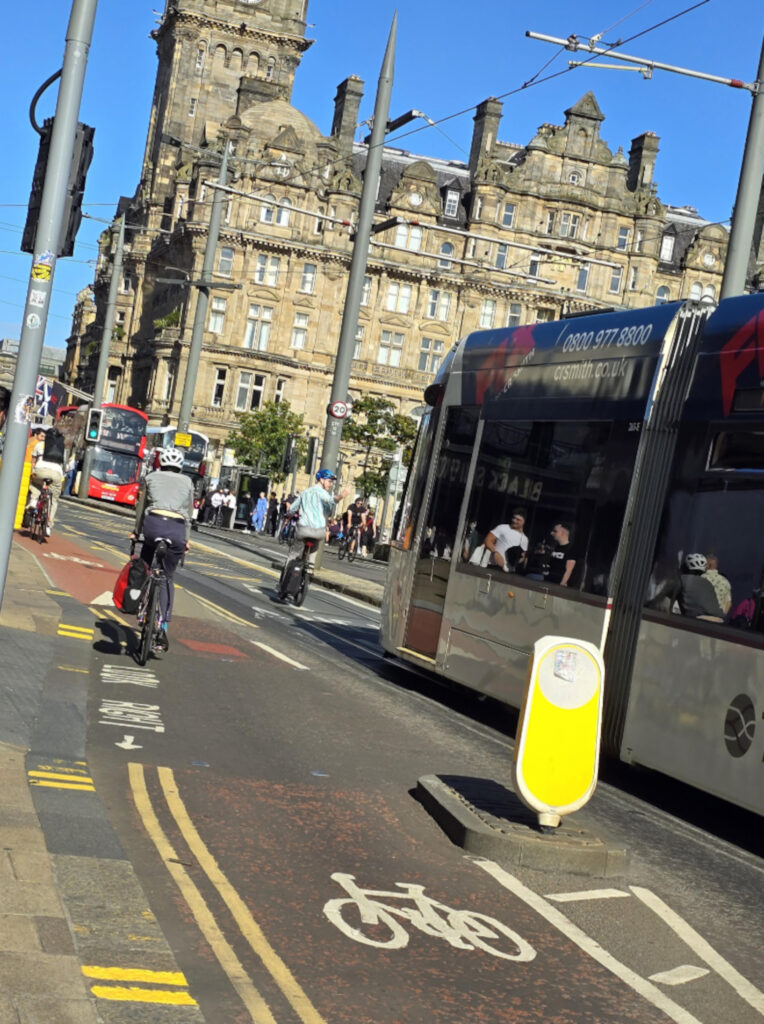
(266,210)
(696,292)
(253,63)
(445,250)
(270,69)
(662,295)
(220,54)
(709,294)
(200,54)
(283,212)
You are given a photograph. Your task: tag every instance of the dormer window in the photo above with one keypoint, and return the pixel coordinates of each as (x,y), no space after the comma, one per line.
(667,248)
(451,207)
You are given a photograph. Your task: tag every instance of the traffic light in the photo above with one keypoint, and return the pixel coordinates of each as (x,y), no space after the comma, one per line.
(82,155)
(93,431)
(287,459)
(310,458)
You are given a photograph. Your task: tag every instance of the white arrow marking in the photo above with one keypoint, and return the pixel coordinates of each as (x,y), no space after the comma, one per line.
(104,599)
(127,744)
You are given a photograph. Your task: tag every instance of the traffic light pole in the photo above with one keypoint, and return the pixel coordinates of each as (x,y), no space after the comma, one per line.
(79,34)
(344,360)
(103,355)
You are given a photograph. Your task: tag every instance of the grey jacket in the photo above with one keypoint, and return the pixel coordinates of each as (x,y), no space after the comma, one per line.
(165,491)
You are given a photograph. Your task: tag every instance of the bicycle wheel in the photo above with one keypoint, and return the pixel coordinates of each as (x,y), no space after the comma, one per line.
(477,928)
(150,609)
(299,597)
(342,550)
(352,552)
(34,526)
(42,532)
(387,933)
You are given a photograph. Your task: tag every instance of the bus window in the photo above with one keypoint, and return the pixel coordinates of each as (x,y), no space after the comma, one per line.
(439,536)
(552,498)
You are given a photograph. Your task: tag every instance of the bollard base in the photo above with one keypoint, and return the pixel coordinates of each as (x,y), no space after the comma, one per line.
(489,820)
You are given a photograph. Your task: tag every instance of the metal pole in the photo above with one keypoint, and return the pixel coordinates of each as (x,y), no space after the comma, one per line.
(103,355)
(747,201)
(333,433)
(202,300)
(49,230)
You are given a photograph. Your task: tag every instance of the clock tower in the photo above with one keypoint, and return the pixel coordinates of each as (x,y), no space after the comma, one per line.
(214,57)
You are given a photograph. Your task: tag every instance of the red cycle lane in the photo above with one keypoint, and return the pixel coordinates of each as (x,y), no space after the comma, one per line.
(72,567)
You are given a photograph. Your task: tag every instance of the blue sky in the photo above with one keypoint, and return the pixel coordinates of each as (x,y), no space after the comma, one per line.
(450,56)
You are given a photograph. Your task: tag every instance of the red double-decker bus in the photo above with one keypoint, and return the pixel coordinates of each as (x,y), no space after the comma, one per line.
(118,455)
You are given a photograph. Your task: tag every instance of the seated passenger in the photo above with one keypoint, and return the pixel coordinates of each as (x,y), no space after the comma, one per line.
(721,584)
(562,558)
(508,543)
(537,564)
(697,597)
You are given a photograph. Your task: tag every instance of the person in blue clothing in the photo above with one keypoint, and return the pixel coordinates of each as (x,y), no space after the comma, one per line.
(316,506)
(258,516)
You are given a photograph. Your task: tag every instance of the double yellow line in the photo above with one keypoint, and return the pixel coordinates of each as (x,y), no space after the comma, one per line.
(132,993)
(256,1005)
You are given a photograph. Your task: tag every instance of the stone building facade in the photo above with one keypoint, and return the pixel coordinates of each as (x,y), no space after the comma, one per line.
(516,234)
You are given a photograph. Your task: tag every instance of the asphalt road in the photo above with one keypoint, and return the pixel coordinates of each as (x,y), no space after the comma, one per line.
(258,784)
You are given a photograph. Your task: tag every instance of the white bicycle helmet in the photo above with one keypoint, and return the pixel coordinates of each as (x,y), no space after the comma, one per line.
(171,458)
(696,563)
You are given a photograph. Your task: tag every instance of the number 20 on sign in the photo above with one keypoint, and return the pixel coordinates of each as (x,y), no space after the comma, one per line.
(557,750)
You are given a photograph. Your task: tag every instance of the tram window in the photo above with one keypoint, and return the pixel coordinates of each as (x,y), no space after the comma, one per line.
(737,450)
(569,481)
(453,463)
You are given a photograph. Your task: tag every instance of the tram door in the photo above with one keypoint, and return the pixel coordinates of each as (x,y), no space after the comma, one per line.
(438,538)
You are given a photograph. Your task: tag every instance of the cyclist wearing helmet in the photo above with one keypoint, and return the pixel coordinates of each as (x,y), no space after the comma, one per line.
(697,597)
(316,506)
(164,511)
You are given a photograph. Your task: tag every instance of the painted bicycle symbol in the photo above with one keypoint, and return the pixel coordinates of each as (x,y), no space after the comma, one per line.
(379,924)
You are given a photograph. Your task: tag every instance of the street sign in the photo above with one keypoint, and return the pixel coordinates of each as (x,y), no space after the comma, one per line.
(182,440)
(338,410)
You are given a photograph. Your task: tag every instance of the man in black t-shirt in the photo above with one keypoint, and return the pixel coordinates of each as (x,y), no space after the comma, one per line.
(562,558)
(356,520)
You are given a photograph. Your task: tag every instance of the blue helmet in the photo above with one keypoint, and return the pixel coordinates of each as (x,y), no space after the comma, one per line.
(325,474)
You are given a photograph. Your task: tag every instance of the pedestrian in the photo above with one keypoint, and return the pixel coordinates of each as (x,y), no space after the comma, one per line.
(368,536)
(258,516)
(216,502)
(228,508)
(70,472)
(272,514)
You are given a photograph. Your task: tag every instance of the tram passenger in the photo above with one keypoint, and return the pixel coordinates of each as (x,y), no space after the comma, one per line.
(697,598)
(562,557)
(508,542)
(721,584)
(537,564)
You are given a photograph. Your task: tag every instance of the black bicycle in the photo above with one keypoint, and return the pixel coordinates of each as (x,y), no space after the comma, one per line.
(39,520)
(149,613)
(287,532)
(297,573)
(351,543)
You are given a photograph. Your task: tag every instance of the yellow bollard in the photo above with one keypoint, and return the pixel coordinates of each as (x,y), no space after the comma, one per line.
(24,488)
(557,748)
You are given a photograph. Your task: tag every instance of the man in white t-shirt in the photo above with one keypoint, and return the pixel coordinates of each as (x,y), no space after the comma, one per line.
(508,542)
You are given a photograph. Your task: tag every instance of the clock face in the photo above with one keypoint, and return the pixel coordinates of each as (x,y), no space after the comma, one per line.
(415,198)
(709,259)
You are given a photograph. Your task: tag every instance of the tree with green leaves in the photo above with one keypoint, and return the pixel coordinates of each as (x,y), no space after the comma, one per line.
(261,437)
(378,431)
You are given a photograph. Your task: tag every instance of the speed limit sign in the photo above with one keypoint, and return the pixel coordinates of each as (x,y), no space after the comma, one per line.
(338,410)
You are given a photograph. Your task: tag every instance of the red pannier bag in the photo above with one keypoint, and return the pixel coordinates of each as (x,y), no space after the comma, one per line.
(127,589)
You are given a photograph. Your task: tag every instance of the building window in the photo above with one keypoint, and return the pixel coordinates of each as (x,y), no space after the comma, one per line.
(551,219)
(430,355)
(508,217)
(623,239)
(639,241)
(169,383)
(267,270)
(359,333)
(192,107)
(242,393)
(199,67)
(225,263)
(439,305)
(544,316)
(120,317)
(477,208)
(451,207)
(445,250)
(633,279)
(616,279)
(127,284)
(228,211)
(258,329)
(514,314)
(471,246)
(667,248)
(266,210)
(270,69)
(535,265)
(662,295)
(318,224)
(390,348)
(218,391)
(695,292)
(709,295)
(582,279)
(217,315)
(366,291)
(398,298)
(299,330)
(308,281)
(569,224)
(258,390)
(278,395)
(283,213)
(501,257)
(575,178)
(487,313)
(408,236)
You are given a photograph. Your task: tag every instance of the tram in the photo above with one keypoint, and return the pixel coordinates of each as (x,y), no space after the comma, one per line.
(635,438)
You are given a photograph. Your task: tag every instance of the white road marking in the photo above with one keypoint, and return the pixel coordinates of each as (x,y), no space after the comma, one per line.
(279,655)
(104,599)
(139,716)
(744,988)
(642,986)
(129,675)
(679,975)
(128,744)
(363,605)
(586,894)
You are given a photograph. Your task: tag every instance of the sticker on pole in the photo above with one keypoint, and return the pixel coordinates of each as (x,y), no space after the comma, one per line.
(338,410)
(557,750)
